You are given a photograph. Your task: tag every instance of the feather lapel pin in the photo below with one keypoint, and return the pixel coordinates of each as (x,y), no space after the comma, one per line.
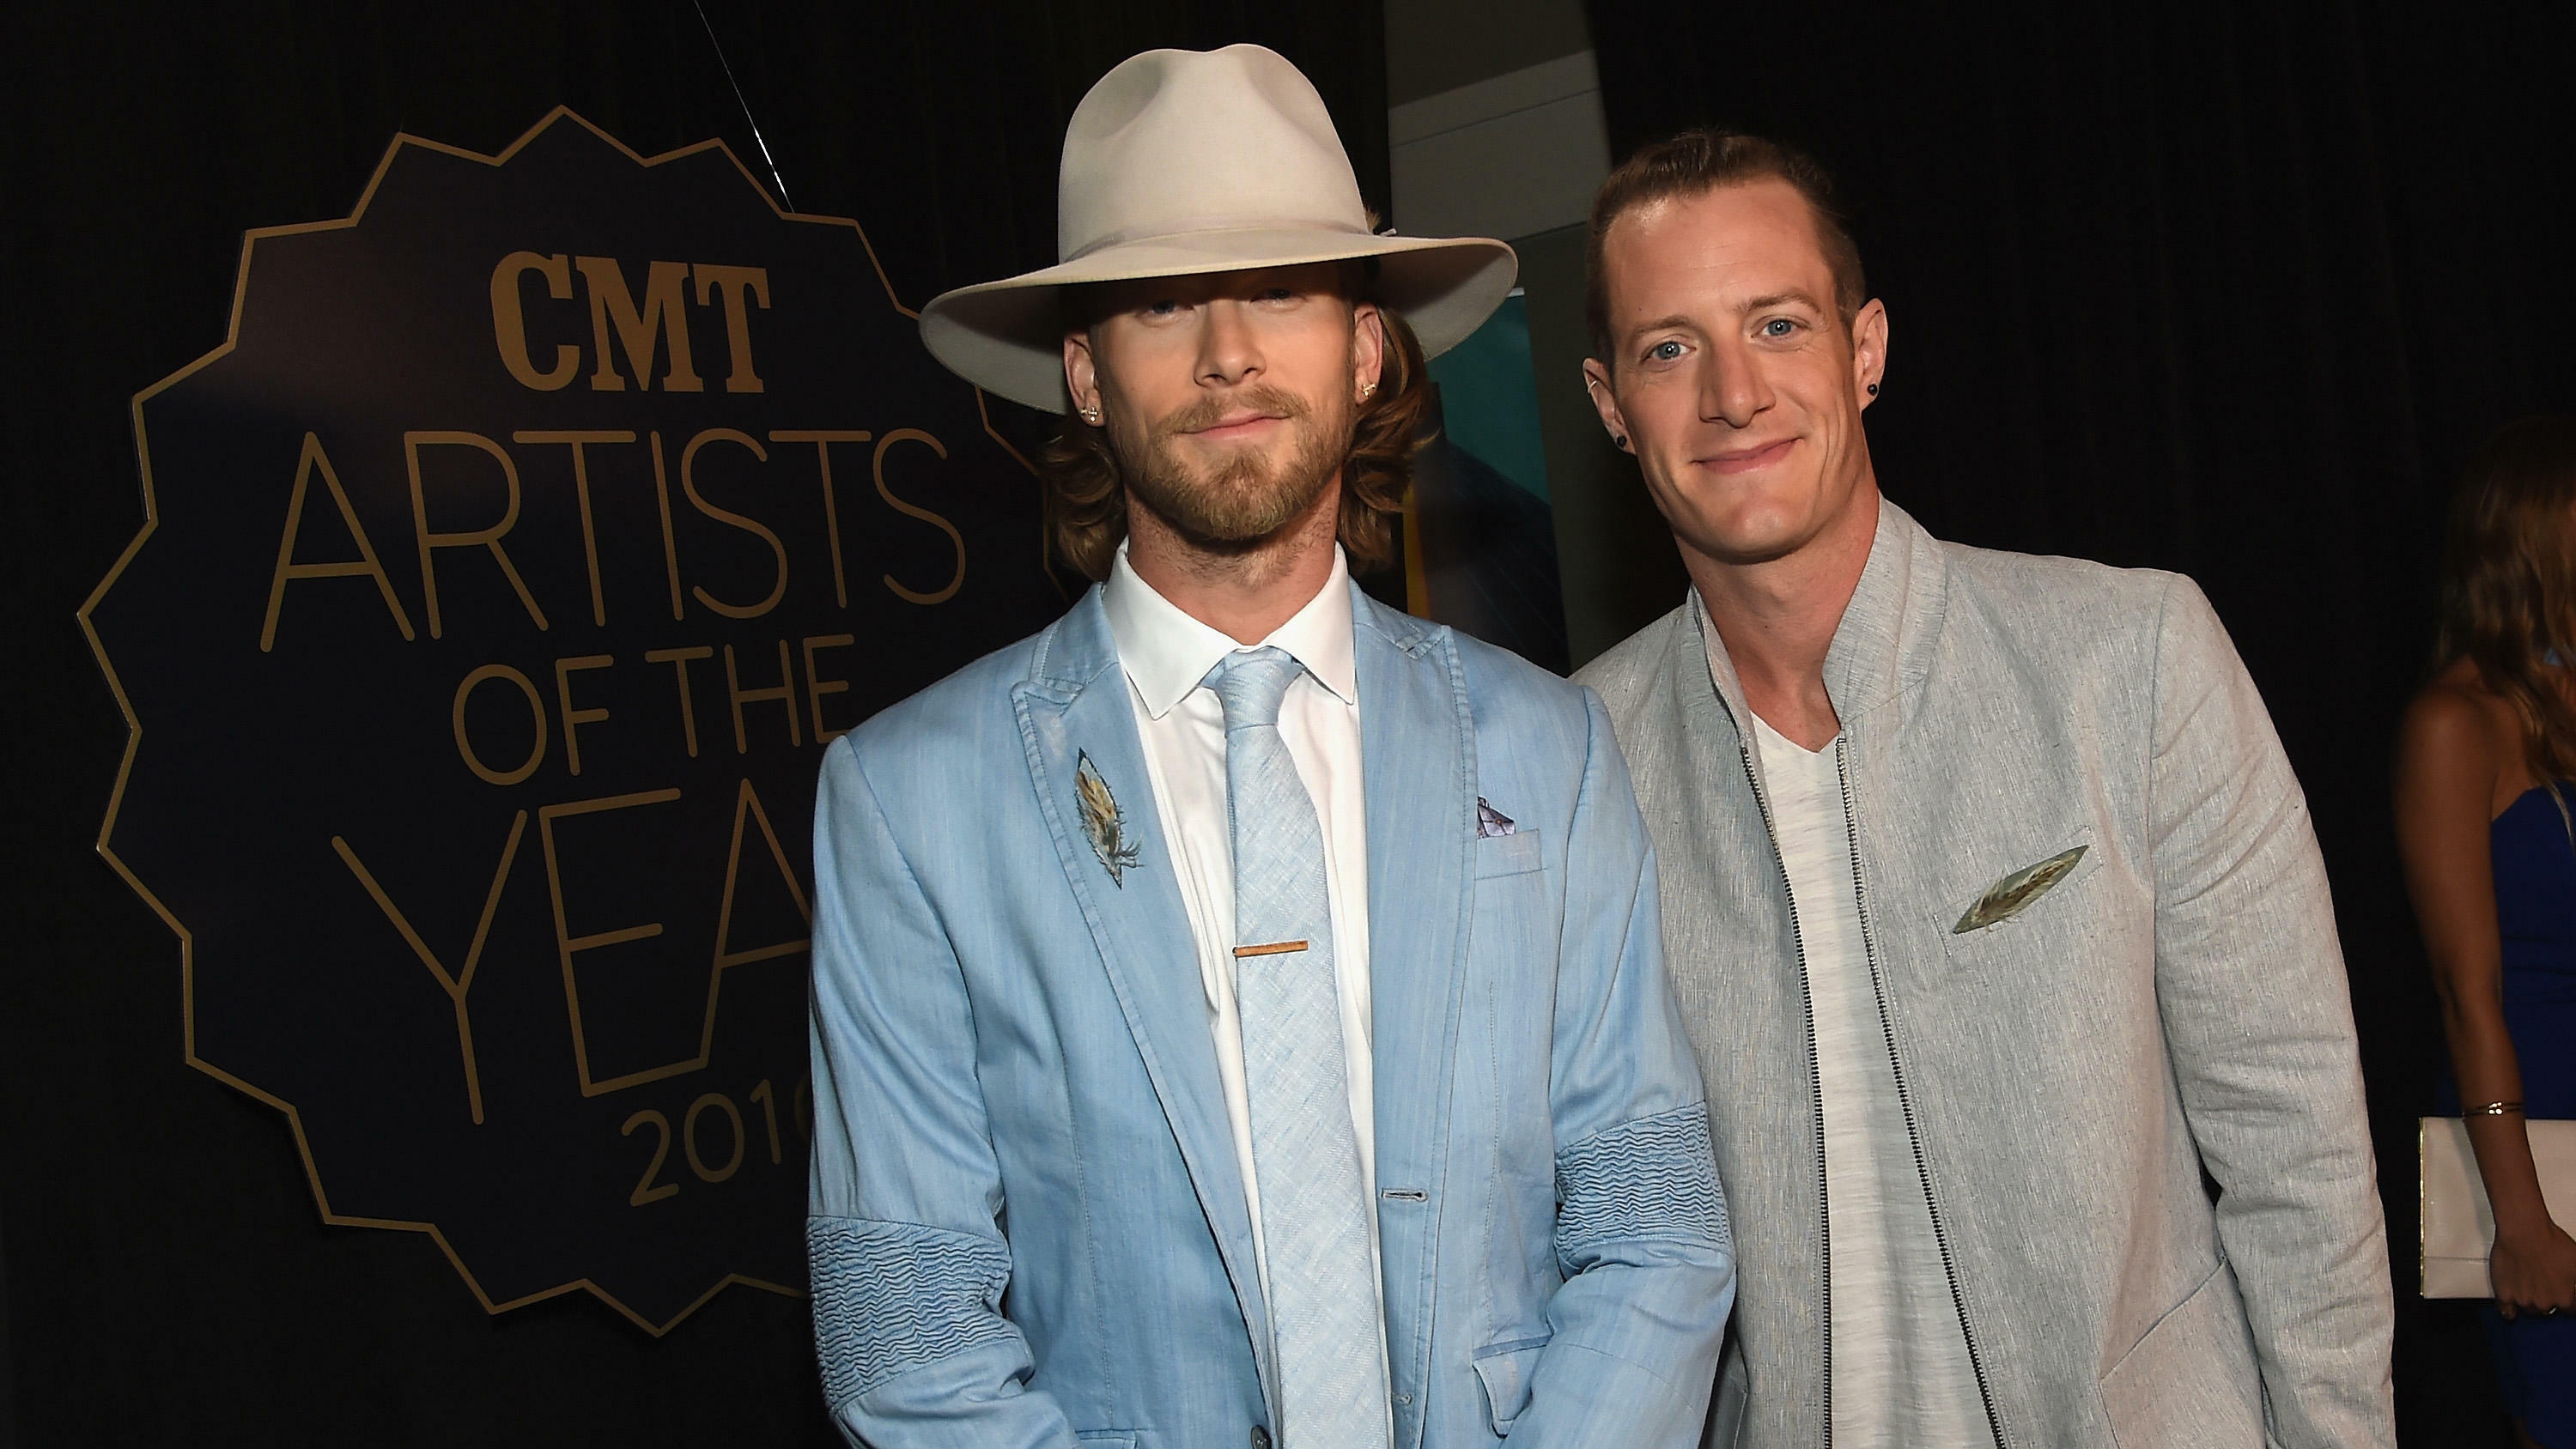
(1102,820)
(2008,897)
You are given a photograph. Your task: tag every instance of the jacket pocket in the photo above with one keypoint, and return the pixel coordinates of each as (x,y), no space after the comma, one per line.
(1726,1406)
(2191,1381)
(2028,891)
(2053,925)
(1513,854)
(1505,1369)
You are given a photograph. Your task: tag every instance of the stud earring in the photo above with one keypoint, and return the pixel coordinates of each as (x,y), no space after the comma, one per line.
(1873,389)
(1091,416)
(1367,390)
(1619,439)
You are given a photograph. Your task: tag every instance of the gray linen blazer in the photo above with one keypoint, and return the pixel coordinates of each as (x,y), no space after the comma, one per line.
(2175,1002)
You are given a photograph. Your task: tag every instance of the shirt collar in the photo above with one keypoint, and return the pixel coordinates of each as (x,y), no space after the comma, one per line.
(1166,652)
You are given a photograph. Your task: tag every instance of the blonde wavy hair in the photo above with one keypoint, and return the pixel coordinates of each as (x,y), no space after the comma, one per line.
(1086,491)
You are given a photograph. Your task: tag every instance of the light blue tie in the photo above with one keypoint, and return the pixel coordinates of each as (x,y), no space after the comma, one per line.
(1305,1152)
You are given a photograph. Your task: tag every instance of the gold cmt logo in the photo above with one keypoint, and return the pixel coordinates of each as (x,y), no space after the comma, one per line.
(490,619)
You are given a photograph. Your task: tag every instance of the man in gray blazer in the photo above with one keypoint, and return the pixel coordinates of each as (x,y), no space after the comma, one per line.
(1991,901)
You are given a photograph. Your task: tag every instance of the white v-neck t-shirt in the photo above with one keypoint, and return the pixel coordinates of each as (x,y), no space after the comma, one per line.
(1901,1373)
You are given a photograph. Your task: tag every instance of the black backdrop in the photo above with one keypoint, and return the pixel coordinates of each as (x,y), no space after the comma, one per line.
(2230,289)
(166,1277)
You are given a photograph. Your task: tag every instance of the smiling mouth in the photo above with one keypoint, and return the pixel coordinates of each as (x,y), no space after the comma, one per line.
(1746,460)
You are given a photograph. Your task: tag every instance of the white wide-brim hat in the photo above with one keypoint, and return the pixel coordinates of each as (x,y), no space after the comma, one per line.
(1181,162)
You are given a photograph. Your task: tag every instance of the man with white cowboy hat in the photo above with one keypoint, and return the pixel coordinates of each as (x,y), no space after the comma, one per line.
(1239,1010)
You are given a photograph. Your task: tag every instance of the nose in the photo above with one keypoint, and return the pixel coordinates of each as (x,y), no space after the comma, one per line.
(1229,354)
(1732,389)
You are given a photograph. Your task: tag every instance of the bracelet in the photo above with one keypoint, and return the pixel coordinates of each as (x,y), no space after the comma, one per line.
(2492,1109)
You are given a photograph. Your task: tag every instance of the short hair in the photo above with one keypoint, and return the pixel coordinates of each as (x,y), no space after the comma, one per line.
(1700,161)
(1086,492)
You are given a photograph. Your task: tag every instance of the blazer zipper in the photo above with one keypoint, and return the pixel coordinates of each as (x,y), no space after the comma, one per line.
(1904,1098)
(1816,1094)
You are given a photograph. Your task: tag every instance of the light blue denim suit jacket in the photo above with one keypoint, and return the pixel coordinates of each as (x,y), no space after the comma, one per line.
(1028,1227)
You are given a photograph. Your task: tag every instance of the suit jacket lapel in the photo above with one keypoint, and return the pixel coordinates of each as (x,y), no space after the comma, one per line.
(1075,704)
(1418,777)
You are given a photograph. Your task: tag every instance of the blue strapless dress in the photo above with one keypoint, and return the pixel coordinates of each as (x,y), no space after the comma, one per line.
(2535,890)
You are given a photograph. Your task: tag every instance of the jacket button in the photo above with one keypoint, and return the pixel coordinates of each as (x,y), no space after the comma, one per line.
(1260,1437)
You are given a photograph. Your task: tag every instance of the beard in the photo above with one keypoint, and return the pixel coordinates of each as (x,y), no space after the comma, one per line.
(1249,496)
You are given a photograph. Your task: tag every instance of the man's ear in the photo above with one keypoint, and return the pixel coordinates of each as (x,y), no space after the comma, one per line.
(1869,350)
(1368,348)
(1596,385)
(1080,377)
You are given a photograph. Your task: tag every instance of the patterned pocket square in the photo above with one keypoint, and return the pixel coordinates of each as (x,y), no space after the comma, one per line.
(1491,822)
(2008,897)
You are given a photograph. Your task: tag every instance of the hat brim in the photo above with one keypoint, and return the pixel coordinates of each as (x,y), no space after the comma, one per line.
(1007,337)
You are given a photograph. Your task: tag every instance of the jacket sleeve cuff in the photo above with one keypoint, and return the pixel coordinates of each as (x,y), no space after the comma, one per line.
(1654,1177)
(893,1297)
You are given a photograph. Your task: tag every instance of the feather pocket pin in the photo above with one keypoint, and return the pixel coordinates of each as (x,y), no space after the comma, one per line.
(1102,820)
(2008,897)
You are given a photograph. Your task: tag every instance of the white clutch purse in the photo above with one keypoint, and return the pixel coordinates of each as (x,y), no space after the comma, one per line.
(2459,1227)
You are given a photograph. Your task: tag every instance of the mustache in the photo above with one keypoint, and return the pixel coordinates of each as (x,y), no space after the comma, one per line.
(1260,397)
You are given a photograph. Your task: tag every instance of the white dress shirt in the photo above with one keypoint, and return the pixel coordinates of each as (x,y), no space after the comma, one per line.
(1166,653)
(1902,1376)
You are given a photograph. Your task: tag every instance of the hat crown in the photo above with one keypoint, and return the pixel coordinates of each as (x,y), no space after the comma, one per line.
(1178,141)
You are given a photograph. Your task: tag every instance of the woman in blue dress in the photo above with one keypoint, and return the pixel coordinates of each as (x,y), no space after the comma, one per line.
(2486,782)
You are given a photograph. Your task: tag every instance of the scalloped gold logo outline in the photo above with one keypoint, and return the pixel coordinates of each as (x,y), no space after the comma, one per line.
(134,722)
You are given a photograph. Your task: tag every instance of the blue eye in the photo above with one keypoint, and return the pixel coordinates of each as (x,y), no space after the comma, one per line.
(1164,308)
(1278,294)
(1779,327)
(1664,352)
